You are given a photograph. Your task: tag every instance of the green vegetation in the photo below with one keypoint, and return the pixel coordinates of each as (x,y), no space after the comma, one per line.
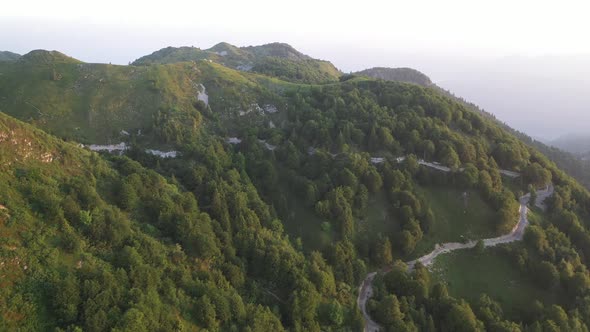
(8,56)
(275,59)
(301,222)
(275,232)
(467,274)
(38,57)
(459,216)
(407,75)
(93,103)
(86,238)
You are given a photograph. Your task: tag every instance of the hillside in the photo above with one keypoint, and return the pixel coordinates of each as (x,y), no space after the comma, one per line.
(407,75)
(85,238)
(575,166)
(95,103)
(277,59)
(279,199)
(43,57)
(8,56)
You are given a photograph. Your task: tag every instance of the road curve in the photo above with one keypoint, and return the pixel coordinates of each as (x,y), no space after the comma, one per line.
(516,234)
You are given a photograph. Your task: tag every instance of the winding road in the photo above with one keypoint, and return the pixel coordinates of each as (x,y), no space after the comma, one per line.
(516,234)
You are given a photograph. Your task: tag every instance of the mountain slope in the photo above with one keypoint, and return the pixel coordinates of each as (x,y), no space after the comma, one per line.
(281,199)
(84,238)
(277,59)
(407,75)
(93,103)
(8,56)
(572,164)
(43,57)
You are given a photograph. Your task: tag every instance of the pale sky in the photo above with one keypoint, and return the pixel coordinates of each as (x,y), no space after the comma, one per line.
(119,31)
(489,52)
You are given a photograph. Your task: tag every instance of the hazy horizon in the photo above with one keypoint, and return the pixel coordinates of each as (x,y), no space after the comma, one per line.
(502,56)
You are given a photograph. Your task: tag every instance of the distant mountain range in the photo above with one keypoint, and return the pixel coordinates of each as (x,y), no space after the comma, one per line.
(574,143)
(8,56)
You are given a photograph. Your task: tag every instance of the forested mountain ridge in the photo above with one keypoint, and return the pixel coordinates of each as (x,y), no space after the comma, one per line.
(105,244)
(94,103)
(8,56)
(407,75)
(573,164)
(276,59)
(281,198)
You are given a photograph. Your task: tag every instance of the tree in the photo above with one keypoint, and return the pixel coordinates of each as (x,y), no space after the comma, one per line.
(332,313)
(479,247)
(536,175)
(373,180)
(411,164)
(507,217)
(535,237)
(347,178)
(467,152)
(383,254)
(470,176)
(205,312)
(449,156)
(547,275)
(428,149)
(132,321)
(485,183)
(461,318)
(389,311)
(85,217)
(533,195)
(427,221)
(127,196)
(66,299)
(407,242)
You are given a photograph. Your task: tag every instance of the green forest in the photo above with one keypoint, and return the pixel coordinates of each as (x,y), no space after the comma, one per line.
(290,184)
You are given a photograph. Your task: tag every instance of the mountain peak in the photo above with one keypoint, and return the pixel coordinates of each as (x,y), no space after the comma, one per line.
(8,56)
(275,59)
(407,75)
(47,57)
(280,50)
(225,49)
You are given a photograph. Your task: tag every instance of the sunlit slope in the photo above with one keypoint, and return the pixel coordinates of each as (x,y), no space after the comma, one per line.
(276,59)
(93,103)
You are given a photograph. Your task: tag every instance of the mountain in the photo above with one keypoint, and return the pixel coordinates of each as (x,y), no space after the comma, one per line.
(232,200)
(578,144)
(38,57)
(407,75)
(276,59)
(93,103)
(8,56)
(85,236)
(561,151)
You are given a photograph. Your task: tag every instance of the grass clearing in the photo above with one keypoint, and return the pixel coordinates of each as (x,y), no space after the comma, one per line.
(379,218)
(303,222)
(469,274)
(457,218)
